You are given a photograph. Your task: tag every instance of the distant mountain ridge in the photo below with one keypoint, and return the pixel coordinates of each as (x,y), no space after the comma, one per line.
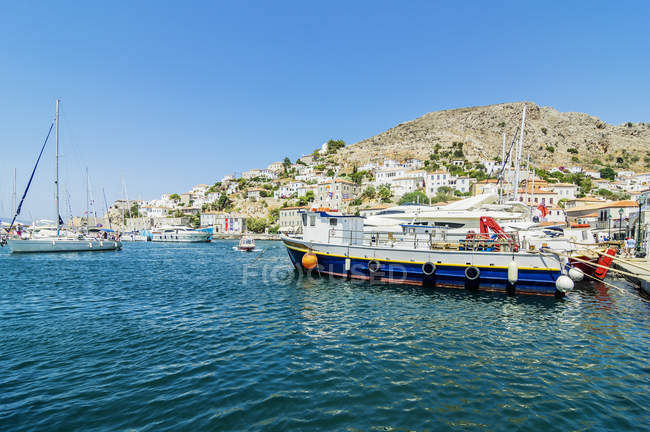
(552,138)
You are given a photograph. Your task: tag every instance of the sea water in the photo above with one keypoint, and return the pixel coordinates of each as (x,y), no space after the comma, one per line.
(163,337)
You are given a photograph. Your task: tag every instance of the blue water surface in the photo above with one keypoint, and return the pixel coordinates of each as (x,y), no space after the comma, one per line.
(161,337)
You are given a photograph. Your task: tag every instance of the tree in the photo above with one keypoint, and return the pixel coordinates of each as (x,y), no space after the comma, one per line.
(286,163)
(334,145)
(195,221)
(175,197)
(256,225)
(309,196)
(608,173)
(215,187)
(223,203)
(134,211)
(384,193)
(414,197)
(357,176)
(369,192)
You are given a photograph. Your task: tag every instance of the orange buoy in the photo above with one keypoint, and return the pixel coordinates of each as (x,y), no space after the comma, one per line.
(309,261)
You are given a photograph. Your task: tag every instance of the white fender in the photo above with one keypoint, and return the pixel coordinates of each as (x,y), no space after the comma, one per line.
(513,272)
(564,284)
(576,274)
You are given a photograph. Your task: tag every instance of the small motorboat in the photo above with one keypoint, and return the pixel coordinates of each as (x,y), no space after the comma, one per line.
(246,244)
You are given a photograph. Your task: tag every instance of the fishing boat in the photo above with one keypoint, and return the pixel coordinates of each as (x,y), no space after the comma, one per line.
(336,245)
(246,244)
(54,238)
(179,234)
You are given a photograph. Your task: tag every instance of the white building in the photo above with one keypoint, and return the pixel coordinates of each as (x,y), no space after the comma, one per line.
(403,185)
(275,166)
(288,190)
(413,164)
(386,175)
(151,212)
(461,184)
(333,194)
(435,180)
(213,197)
(564,190)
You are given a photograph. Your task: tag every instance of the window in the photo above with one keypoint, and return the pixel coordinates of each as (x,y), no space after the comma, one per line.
(304,219)
(312,220)
(333,221)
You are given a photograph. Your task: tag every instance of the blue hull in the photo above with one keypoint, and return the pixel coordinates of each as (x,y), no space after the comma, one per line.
(538,282)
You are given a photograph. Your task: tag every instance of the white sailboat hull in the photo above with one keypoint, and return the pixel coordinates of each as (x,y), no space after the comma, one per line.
(62,245)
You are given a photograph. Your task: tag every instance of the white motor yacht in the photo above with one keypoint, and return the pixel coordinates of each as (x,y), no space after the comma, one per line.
(179,234)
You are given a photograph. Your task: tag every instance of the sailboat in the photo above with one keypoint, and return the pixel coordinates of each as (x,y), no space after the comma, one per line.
(55,240)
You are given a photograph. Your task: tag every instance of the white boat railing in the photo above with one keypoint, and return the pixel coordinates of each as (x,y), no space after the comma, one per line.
(428,241)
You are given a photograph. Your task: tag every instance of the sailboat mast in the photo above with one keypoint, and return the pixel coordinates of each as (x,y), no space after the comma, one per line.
(14,196)
(58,211)
(87,201)
(518,158)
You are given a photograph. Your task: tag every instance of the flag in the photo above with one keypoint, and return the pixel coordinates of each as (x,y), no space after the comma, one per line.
(60,221)
(542,208)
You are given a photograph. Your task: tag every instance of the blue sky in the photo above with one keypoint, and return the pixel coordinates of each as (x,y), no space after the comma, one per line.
(167,95)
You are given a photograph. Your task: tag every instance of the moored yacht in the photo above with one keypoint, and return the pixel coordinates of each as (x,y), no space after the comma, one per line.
(179,234)
(337,245)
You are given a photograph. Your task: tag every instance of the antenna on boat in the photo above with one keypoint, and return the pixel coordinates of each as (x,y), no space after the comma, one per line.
(58,212)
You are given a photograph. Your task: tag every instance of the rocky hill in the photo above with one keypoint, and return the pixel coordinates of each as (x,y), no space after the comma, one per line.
(551,137)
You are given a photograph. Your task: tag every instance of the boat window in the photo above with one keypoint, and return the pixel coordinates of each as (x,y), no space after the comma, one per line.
(304,219)
(387,212)
(333,221)
(450,224)
(312,220)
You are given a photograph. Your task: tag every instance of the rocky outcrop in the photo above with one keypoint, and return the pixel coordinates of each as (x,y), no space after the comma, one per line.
(551,137)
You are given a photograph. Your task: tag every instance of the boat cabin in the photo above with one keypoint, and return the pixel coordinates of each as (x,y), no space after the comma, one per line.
(321,226)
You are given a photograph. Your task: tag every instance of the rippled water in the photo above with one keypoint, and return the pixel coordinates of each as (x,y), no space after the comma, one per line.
(200,337)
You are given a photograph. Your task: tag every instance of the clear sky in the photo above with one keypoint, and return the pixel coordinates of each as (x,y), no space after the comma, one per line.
(170,94)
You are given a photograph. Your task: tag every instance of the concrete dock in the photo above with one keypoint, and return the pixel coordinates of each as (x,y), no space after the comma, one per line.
(640,267)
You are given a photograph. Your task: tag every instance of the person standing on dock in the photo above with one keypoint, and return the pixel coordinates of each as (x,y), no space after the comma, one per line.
(629,246)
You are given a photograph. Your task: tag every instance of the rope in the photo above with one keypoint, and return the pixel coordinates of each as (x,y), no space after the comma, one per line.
(603,282)
(29,183)
(623,272)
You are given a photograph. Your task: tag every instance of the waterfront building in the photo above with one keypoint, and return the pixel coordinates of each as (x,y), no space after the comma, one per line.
(224,223)
(290,220)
